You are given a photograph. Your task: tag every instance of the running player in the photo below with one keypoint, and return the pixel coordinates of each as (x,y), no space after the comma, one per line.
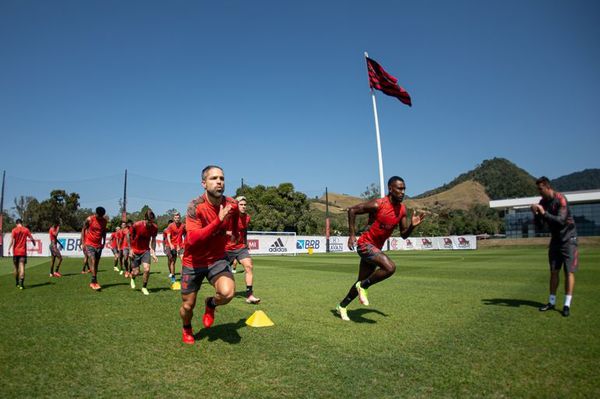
(124,246)
(54,250)
(384,215)
(18,238)
(208,219)
(237,250)
(553,210)
(114,247)
(175,234)
(93,235)
(143,246)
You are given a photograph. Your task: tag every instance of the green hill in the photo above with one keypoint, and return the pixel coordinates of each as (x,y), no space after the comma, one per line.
(500,178)
(588,179)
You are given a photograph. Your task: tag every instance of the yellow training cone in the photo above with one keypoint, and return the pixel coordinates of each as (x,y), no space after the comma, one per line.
(176,286)
(259,319)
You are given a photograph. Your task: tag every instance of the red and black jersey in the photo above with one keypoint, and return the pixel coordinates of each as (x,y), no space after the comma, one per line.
(177,233)
(53,233)
(206,235)
(20,235)
(141,234)
(239,243)
(95,231)
(387,217)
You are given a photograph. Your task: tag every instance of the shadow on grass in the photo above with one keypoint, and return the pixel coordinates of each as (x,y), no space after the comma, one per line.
(357,316)
(512,303)
(27,286)
(159,289)
(104,286)
(225,332)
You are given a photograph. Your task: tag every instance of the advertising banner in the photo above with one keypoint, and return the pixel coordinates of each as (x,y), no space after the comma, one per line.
(263,244)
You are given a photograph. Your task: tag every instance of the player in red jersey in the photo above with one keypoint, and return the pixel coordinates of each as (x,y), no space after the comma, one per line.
(237,250)
(114,247)
(143,247)
(209,218)
(175,238)
(384,215)
(93,236)
(54,250)
(166,248)
(18,238)
(124,245)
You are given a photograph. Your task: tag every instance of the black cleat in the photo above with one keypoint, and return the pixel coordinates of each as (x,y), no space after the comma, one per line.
(566,311)
(546,307)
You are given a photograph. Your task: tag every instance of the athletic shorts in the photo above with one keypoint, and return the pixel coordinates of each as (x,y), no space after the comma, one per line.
(237,254)
(368,252)
(124,252)
(18,258)
(566,254)
(54,251)
(191,278)
(139,259)
(93,252)
(115,251)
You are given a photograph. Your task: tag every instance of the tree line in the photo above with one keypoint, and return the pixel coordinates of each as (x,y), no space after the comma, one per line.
(272,208)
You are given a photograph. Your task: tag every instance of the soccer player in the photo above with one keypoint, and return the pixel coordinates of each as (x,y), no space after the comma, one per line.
(384,215)
(54,250)
(93,236)
(175,234)
(143,246)
(18,239)
(114,247)
(208,219)
(166,248)
(237,250)
(553,210)
(124,245)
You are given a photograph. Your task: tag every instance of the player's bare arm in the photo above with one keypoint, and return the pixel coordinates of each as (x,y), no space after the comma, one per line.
(406,228)
(153,249)
(369,207)
(86,225)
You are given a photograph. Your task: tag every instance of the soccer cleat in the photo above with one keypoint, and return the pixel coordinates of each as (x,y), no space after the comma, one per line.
(127,275)
(95,286)
(546,307)
(187,336)
(252,299)
(362,294)
(566,311)
(83,272)
(116,269)
(21,287)
(209,315)
(120,272)
(132,284)
(145,291)
(57,274)
(342,312)
(234,271)
(51,275)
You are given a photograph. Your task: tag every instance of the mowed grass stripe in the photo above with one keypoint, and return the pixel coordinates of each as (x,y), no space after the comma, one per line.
(429,332)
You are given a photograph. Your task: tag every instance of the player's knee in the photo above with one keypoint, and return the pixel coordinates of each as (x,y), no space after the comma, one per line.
(391,268)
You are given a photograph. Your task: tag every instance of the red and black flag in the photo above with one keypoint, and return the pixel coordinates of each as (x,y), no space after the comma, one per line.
(381,80)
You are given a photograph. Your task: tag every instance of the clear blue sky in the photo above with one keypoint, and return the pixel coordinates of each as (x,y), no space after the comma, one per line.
(277,91)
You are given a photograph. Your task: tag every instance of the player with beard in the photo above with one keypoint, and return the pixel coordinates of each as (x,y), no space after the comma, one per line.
(209,218)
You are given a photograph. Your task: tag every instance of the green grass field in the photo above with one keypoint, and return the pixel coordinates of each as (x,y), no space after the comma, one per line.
(447,324)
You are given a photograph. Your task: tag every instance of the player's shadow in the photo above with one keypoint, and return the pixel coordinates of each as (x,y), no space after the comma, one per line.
(159,289)
(38,285)
(105,286)
(225,332)
(511,303)
(240,294)
(357,316)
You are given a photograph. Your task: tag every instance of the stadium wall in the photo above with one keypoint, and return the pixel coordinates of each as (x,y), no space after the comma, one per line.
(272,244)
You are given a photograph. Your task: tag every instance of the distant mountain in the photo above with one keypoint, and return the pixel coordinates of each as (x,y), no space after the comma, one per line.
(588,179)
(500,178)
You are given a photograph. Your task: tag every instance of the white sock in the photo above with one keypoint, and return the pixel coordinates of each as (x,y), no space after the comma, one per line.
(568,300)
(552,299)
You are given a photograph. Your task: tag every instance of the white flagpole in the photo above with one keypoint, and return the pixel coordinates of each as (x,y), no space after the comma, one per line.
(380,157)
